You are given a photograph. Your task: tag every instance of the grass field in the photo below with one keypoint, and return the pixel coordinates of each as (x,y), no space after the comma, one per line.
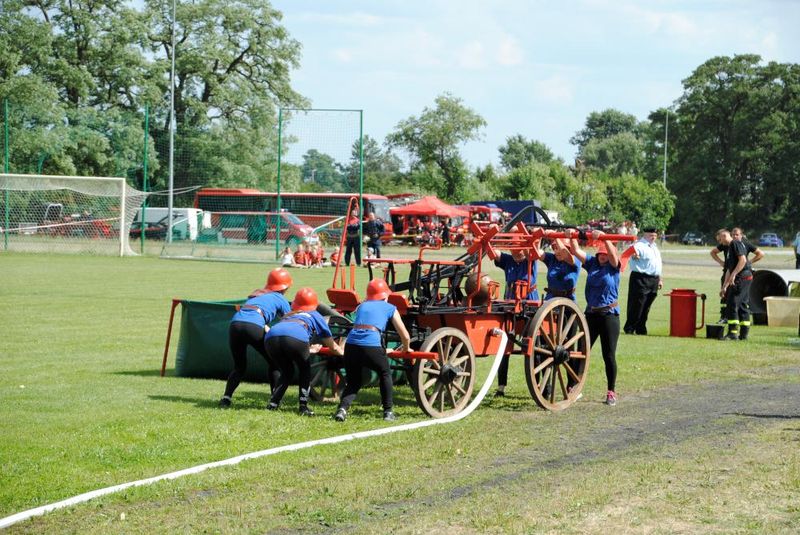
(706,437)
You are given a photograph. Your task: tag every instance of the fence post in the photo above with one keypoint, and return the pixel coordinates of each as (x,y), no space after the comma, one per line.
(5,169)
(144,171)
(278,208)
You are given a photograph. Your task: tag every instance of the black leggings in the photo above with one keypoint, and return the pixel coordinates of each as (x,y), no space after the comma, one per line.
(240,335)
(356,358)
(289,351)
(351,246)
(606,326)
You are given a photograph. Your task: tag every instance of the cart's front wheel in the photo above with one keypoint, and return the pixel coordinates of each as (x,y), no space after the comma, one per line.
(558,364)
(443,386)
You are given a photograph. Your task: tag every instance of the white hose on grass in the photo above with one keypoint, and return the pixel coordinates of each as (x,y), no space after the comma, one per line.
(85,497)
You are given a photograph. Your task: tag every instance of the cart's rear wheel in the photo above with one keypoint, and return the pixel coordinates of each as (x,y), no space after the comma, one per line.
(444,386)
(557,368)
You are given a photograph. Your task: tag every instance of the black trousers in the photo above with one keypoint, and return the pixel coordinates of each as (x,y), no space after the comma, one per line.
(737,300)
(351,246)
(606,327)
(289,352)
(356,358)
(642,291)
(797,261)
(240,335)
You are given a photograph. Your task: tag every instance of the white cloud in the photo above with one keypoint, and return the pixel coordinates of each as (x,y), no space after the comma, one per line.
(555,89)
(343,55)
(472,55)
(509,52)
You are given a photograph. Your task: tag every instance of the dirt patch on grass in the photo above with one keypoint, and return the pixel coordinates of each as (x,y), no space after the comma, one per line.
(659,421)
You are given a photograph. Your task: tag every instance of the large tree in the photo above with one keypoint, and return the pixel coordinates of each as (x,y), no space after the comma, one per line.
(612,142)
(434,138)
(737,145)
(518,152)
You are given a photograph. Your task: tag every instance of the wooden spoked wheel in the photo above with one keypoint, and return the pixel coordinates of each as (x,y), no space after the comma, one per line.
(444,386)
(557,368)
(327,380)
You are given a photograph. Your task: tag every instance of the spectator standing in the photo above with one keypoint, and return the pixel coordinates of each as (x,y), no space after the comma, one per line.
(374,229)
(352,246)
(757,253)
(644,283)
(736,287)
(248,326)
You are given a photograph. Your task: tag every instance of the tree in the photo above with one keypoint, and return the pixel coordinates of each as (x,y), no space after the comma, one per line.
(320,172)
(381,168)
(519,152)
(604,124)
(434,139)
(635,198)
(617,154)
(736,149)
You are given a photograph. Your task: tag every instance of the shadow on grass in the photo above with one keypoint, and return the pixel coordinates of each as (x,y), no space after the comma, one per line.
(242,400)
(768,416)
(144,373)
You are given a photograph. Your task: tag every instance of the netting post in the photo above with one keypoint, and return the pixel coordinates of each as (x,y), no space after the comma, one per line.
(360,183)
(122,230)
(144,173)
(5,169)
(278,208)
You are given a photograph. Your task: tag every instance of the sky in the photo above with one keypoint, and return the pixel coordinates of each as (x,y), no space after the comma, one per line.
(536,68)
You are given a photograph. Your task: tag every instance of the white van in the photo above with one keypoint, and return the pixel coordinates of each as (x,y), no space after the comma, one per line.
(186,222)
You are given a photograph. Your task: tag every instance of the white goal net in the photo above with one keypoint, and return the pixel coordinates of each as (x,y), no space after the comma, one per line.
(67,214)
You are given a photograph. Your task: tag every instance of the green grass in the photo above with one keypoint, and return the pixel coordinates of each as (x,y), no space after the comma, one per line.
(82,407)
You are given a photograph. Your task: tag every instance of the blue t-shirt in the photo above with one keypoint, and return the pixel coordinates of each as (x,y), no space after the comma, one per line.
(517,271)
(375,313)
(301,326)
(602,285)
(560,275)
(272,304)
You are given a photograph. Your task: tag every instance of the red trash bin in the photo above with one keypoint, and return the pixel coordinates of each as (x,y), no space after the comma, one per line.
(683,312)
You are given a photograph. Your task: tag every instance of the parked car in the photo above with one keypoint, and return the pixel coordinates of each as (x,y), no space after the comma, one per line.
(156,230)
(693,238)
(770,239)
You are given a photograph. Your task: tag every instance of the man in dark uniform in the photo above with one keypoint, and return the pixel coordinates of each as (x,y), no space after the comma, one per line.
(757,253)
(373,229)
(736,287)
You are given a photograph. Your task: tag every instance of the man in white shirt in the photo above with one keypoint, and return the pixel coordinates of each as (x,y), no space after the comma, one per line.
(645,281)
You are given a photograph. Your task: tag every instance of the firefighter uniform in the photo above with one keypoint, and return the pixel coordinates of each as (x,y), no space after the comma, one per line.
(737,296)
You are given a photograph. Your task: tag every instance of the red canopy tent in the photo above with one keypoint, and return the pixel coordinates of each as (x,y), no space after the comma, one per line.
(430,206)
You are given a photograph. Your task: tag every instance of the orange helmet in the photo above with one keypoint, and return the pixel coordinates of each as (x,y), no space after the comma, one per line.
(377,289)
(305,299)
(278,279)
(601,248)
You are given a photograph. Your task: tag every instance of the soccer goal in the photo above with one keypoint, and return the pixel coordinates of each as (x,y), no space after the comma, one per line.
(67,214)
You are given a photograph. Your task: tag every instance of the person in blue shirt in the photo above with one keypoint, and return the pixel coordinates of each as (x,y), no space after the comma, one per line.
(602,304)
(562,271)
(515,267)
(247,328)
(364,347)
(289,343)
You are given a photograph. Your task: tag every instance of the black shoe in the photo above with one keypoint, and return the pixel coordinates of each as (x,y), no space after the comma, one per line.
(628,331)
(340,416)
(224,403)
(272,406)
(305,411)
(499,394)
(389,416)
(744,331)
(731,336)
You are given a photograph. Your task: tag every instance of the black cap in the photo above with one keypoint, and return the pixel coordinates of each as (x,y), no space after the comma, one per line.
(650,229)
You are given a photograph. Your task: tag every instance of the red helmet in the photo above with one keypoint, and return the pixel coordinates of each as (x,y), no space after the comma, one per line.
(601,248)
(278,279)
(305,299)
(377,289)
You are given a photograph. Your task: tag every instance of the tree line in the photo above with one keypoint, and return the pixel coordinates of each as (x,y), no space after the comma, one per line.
(79,75)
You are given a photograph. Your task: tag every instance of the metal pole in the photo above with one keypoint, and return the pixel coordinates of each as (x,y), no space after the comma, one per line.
(666,135)
(171,132)
(278,205)
(361,180)
(145,184)
(5,168)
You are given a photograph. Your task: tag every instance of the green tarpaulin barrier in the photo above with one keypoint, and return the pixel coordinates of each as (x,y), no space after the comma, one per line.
(203,343)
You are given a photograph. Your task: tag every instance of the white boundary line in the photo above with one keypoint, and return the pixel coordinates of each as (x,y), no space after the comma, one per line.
(85,497)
